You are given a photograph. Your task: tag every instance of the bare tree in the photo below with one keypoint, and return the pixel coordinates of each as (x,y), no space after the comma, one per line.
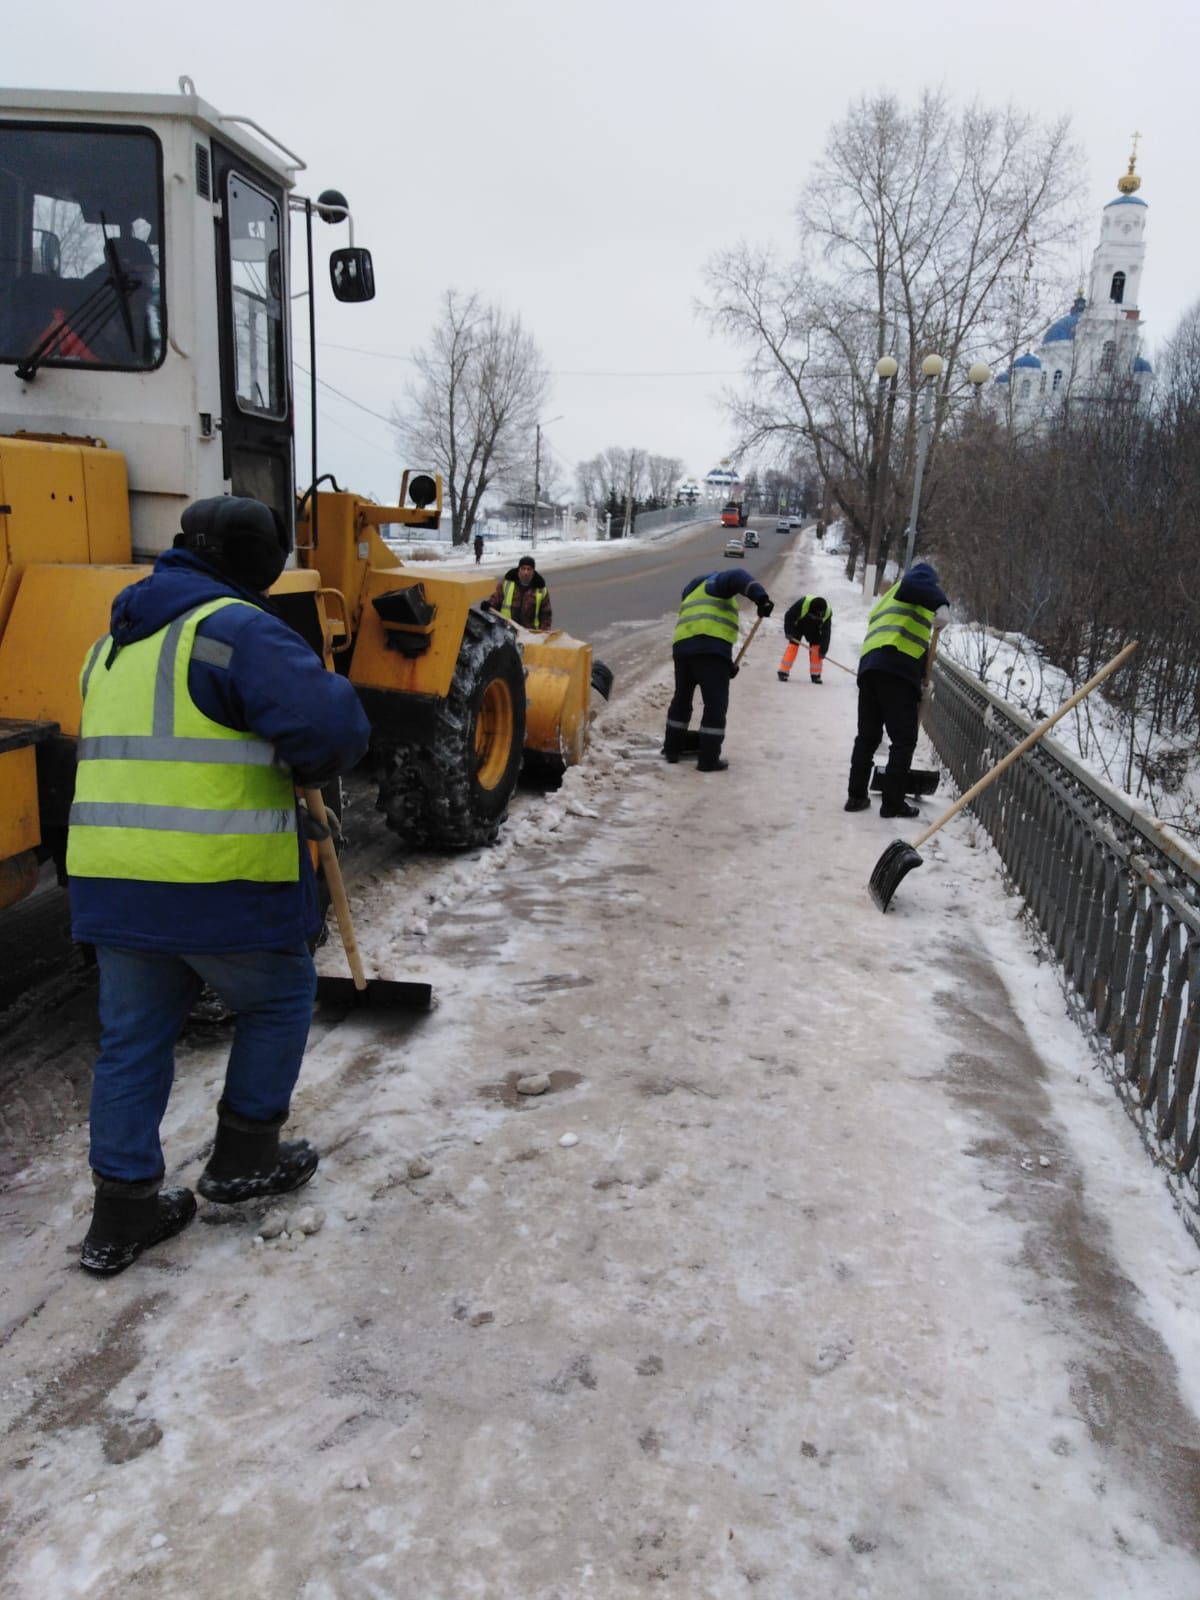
(923,230)
(473,410)
(663,474)
(591,481)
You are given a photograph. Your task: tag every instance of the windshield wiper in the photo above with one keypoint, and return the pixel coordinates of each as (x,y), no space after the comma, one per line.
(91,316)
(120,282)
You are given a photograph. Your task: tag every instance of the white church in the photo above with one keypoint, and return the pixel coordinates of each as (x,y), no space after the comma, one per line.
(1092,354)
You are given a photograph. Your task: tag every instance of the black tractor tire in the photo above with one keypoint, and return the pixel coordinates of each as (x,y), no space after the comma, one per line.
(452,792)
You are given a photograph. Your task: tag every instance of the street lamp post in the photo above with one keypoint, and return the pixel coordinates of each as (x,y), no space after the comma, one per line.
(932,368)
(978,374)
(886,369)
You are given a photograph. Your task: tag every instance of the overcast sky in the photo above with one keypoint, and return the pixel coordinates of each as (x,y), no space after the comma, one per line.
(579,165)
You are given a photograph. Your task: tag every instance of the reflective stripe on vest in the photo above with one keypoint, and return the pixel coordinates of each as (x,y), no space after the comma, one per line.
(705,614)
(164,794)
(506,608)
(903,627)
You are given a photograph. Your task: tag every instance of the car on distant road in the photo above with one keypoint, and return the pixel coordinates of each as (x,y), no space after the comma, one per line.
(751,539)
(795,522)
(735,547)
(784,525)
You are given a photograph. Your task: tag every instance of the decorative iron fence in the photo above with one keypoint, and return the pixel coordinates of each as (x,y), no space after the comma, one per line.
(1115,895)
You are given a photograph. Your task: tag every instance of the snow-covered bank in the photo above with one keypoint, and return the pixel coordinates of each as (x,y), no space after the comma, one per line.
(855,1281)
(551,551)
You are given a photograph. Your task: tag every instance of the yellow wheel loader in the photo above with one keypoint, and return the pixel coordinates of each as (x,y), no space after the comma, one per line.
(145,362)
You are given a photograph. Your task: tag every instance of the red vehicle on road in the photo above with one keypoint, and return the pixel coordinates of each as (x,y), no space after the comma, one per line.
(733,512)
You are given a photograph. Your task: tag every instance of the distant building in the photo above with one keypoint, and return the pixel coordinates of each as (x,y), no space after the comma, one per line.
(1092,354)
(719,482)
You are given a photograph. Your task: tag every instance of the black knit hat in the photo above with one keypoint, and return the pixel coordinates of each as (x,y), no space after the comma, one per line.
(240,537)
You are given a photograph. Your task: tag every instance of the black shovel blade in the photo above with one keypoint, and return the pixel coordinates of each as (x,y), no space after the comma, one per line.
(381,994)
(920,781)
(602,679)
(893,866)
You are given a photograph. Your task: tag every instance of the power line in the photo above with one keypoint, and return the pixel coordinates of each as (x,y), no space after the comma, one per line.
(559,372)
(349,399)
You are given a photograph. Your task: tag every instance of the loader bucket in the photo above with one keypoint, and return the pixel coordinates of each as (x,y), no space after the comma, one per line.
(893,866)
(557,695)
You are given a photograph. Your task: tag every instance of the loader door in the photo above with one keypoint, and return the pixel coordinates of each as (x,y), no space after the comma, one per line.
(256,401)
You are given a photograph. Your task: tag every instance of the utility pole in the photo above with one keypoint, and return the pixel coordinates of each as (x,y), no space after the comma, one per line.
(537,472)
(537,468)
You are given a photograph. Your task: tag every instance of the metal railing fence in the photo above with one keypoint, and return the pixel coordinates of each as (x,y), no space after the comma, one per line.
(1115,896)
(648,523)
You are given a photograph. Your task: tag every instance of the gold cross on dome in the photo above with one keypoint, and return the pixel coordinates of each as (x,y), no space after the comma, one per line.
(1133,152)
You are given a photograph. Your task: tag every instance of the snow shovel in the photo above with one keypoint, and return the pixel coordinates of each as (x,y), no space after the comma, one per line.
(899,859)
(385,994)
(920,780)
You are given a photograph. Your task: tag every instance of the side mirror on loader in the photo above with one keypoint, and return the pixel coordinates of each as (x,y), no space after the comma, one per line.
(352,274)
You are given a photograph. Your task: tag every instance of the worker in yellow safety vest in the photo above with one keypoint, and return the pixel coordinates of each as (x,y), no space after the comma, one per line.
(891,670)
(702,651)
(202,712)
(521,595)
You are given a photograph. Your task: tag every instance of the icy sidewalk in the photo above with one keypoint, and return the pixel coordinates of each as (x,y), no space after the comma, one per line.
(827,1265)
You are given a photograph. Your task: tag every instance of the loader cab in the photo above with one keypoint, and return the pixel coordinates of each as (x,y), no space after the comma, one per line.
(144,295)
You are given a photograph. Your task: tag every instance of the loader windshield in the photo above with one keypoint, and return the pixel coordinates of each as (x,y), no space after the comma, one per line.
(80,247)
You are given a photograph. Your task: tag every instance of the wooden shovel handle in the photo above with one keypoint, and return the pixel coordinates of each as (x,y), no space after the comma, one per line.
(337,888)
(1026,743)
(746,641)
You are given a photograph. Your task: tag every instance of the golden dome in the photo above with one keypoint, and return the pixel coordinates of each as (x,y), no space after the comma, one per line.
(1130,181)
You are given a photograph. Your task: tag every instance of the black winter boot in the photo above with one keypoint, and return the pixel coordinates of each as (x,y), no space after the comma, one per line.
(857,802)
(782,675)
(815,677)
(673,743)
(128,1218)
(709,759)
(895,805)
(249,1161)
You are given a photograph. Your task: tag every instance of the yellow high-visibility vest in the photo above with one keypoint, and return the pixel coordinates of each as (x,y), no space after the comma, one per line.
(164,794)
(704,613)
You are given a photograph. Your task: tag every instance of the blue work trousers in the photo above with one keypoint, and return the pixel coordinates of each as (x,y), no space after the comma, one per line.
(145,997)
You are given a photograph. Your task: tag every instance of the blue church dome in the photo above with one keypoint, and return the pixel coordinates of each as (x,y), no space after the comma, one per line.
(1126,200)
(1064,328)
(1002,377)
(1142,365)
(1027,360)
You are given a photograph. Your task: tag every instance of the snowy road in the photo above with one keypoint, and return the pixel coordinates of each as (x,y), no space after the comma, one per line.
(828,1264)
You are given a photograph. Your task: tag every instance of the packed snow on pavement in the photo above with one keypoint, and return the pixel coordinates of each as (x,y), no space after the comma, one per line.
(826,1263)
